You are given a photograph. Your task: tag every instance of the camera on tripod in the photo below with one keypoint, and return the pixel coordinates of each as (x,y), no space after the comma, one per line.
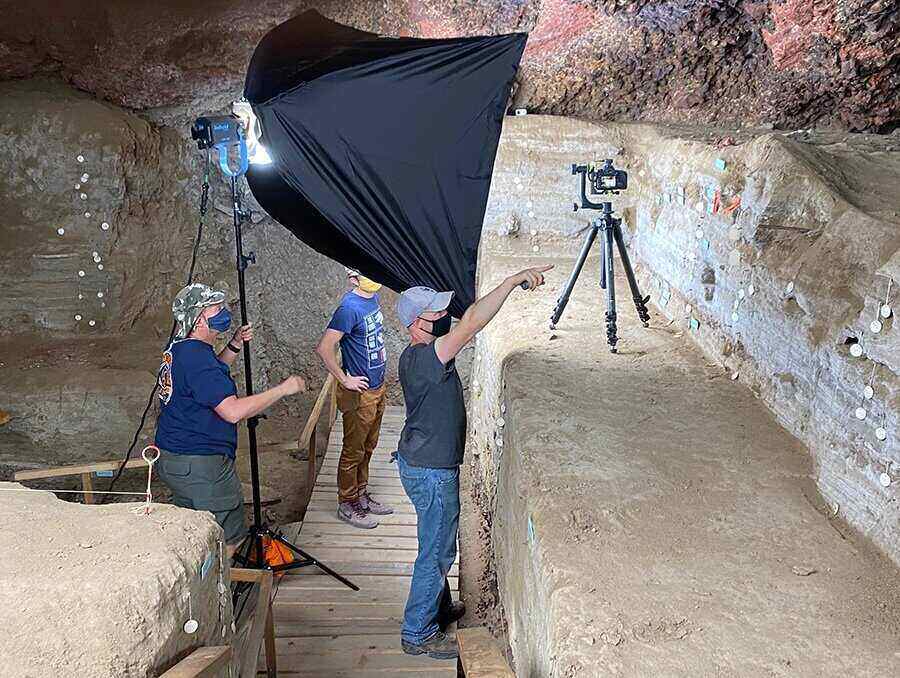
(607,179)
(604,179)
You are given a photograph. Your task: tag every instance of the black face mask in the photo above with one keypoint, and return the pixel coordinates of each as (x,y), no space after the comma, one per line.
(439,327)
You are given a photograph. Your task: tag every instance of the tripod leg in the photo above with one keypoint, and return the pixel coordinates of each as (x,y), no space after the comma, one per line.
(570,283)
(640,303)
(611,330)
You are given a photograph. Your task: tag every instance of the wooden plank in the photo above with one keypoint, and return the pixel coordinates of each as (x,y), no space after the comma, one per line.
(204,662)
(316,412)
(353,568)
(329,517)
(87,486)
(341,612)
(352,542)
(480,654)
(367,583)
(327,655)
(330,504)
(339,528)
(77,469)
(374,483)
(260,623)
(449,672)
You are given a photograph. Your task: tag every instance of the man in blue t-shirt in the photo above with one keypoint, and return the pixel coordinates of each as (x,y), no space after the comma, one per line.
(357,326)
(199,410)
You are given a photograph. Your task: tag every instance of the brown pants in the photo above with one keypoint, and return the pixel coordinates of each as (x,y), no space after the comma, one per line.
(362,412)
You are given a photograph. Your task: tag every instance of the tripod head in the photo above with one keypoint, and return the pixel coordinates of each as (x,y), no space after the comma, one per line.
(604,180)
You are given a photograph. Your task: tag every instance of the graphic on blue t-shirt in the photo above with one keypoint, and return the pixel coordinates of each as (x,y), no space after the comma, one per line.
(192,383)
(362,345)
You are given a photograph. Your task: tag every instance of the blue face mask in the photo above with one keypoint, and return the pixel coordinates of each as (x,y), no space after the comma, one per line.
(221,321)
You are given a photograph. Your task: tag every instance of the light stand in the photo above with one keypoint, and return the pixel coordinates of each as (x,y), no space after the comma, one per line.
(250,553)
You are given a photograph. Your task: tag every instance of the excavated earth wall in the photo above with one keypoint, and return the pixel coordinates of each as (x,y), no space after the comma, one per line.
(649,513)
(104,591)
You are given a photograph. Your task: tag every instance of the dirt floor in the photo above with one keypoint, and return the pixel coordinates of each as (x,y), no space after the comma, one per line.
(653,518)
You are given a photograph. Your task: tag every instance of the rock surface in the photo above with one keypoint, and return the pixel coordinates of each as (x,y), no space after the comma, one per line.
(791,63)
(815,235)
(101,591)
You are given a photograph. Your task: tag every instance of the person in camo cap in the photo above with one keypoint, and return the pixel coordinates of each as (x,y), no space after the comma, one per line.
(199,409)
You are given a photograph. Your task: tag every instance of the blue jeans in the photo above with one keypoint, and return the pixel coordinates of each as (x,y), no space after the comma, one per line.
(435,494)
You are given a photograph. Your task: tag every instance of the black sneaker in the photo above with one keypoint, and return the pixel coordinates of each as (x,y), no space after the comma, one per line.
(456,612)
(438,646)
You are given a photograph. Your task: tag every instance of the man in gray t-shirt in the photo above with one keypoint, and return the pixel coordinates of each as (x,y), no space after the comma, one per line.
(431,449)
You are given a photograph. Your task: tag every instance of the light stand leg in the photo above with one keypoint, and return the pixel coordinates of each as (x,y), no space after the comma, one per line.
(563,300)
(251,553)
(640,303)
(609,272)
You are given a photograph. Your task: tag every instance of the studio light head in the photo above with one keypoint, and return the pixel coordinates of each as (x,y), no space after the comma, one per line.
(213,130)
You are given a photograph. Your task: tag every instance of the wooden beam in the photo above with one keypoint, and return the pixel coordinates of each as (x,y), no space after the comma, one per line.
(262,626)
(316,412)
(480,654)
(87,486)
(204,662)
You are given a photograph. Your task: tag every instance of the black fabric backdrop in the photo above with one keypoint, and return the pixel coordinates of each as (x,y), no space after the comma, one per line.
(382,148)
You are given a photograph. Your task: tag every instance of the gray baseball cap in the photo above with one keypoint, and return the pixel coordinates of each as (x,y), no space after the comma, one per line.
(418,300)
(188,304)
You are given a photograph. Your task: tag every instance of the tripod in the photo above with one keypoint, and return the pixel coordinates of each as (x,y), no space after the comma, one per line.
(610,228)
(250,554)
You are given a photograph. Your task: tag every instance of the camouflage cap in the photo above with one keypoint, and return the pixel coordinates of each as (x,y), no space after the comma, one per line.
(188,304)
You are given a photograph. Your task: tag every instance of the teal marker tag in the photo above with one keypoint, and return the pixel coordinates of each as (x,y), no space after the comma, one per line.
(530,531)
(720,164)
(208,563)
(695,324)
(104,474)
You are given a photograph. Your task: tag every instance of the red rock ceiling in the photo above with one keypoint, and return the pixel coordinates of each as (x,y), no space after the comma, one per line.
(790,63)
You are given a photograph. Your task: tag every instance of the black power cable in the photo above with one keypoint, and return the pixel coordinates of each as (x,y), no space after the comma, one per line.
(204,206)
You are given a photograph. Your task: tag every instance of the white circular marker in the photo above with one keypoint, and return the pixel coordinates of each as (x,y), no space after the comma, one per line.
(96,258)
(741,294)
(221,587)
(99,295)
(885,311)
(699,233)
(856,350)
(77,186)
(80,158)
(104,226)
(77,316)
(860,413)
(531,215)
(191,626)
(81,296)
(881,433)
(103,305)
(790,287)
(869,392)
(85,176)
(60,231)
(875,326)
(501,422)
(83,196)
(751,290)
(95,254)
(92,322)
(535,249)
(99,267)
(87,215)
(885,480)
(80,274)
(734,317)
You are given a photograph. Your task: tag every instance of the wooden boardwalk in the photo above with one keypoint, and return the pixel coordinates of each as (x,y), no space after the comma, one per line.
(322,628)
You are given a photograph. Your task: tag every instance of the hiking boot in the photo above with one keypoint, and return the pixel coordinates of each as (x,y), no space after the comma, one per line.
(456,612)
(352,513)
(371,506)
(437,646)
